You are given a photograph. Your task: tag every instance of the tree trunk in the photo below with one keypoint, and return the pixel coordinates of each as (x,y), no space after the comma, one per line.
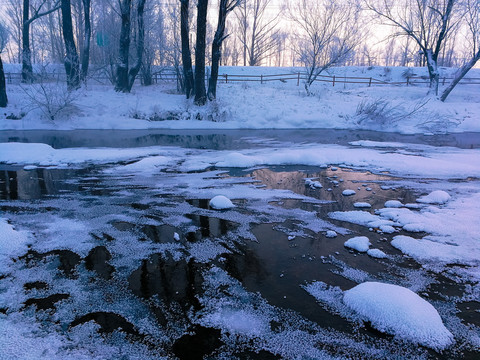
(122,65)
(87,36)
(3,87)
(432,71)
(200,91)
(459,75)
(186,55)
(217,49)
(132,73)
(72,62)
(27,70)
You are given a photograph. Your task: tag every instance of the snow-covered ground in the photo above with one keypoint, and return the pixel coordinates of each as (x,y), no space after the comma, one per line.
(149,251)
(251,105)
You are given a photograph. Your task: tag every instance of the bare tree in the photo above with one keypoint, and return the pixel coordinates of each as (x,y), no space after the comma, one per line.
(72,61)
(3,86)
(125,76)
(14,16)
(200,90)
(327,34)
(225,7)
(257,30)
(86,39)
(186,54)
(428,22)
(27,70)
(472,19)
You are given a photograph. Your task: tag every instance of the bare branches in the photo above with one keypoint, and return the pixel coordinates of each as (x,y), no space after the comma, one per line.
(327,34)
(258,30)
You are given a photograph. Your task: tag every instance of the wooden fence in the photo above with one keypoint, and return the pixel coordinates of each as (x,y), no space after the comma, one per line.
(298,78)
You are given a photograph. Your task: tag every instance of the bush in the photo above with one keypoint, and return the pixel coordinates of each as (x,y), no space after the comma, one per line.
(53,99)
(382,112)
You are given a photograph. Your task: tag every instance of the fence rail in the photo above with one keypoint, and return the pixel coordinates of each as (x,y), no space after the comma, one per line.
(166,76)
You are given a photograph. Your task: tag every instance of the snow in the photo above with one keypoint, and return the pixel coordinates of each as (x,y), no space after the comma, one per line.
(221,202)
(425,250)
(435,197)
(251,105)
(348,192)
(442,225)
(359,243)
(314,184)
(362,205)
(13,243)
(376,253)
(399,311)
(393,204)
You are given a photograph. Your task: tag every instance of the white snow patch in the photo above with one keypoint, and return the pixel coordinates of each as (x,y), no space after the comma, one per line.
(435,197)
(314,184)
(12,243)
(399,311)
(331,234)
(377,253)
(221,202)
(362,205)
(359,243)
(348,192)
(393,204)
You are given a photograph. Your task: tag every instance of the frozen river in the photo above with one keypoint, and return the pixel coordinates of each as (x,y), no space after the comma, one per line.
(111,250)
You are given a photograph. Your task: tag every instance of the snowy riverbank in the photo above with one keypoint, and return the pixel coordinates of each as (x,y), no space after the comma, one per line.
(255,105)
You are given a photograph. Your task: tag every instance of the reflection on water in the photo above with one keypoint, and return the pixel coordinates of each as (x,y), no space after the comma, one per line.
(19,184)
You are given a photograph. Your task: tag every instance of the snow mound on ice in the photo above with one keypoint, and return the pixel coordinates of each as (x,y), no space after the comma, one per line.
(393,204)
(359,243)
(220,202)
(364,205)
(348,192)
(376,253)
(399,311)
(435,197)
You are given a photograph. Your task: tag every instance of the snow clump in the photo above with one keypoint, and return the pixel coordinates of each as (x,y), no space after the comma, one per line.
(221,202)
(376,253)
(400,312)
(348,192)
(393,204)
(362,205)
(314,184)
(331,234)
(435,197)
(359,243)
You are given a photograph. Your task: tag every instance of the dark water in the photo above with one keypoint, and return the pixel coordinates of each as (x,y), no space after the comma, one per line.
(226,139)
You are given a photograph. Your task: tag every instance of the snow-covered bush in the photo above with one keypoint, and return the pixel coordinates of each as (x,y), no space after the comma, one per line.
(50,96)
(53,99)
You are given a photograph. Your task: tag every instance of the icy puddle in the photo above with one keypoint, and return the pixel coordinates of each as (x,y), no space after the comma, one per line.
(110,261)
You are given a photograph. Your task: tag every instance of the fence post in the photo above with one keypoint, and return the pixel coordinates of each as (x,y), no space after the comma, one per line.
(408,80)
(261,79)
(334,80)
(370,82)
(443,81)
(226,78)
(298,79)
